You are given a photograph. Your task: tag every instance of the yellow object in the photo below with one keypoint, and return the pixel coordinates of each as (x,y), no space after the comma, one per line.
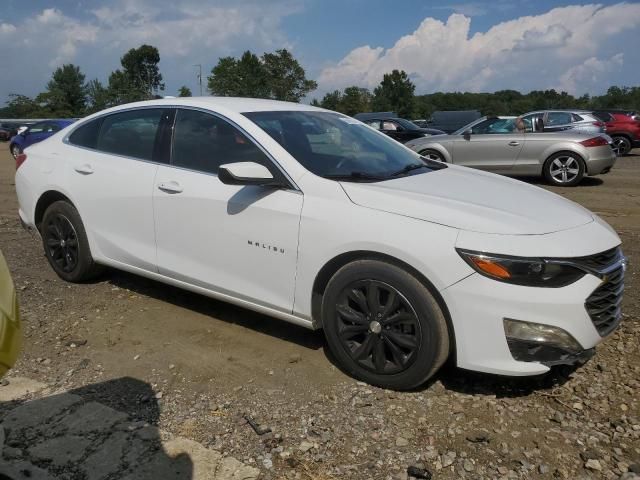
(10,335)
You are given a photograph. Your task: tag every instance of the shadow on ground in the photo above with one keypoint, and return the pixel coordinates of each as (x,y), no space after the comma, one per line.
(104,430)
(220,310)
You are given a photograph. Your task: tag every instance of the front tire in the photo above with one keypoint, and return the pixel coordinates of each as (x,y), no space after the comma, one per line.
(564,169)
(621,145)
(15,150)
(65,243)
(430,154)
(383,325)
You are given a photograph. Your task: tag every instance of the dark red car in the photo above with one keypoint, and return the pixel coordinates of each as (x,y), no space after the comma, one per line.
(623,127)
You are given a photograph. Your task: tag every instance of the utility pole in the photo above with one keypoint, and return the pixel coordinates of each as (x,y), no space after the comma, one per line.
(199,76)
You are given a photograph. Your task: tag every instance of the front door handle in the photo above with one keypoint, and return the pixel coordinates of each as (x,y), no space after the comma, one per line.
(170,187)
(85,169)
(513,143)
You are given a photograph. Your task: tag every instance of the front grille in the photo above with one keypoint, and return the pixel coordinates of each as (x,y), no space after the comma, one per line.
(599,261)
(603,305)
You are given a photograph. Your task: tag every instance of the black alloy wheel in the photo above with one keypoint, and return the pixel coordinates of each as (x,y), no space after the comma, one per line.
(65,243)
(383,325)
(377,327)
(61,241)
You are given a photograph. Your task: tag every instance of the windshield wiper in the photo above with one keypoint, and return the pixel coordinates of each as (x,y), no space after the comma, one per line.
(409,168)
(356,176)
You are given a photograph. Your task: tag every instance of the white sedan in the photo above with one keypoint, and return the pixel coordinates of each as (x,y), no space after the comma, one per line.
(315,218)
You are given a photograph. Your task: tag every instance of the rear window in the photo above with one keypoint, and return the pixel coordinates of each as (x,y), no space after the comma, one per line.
(132,133)
(86,135)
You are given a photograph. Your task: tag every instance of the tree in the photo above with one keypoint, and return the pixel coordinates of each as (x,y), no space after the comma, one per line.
(286,77)
(276,75)
(244,77)
(332,100)
(184,91)
(21,106)
(66,93)
(97,96)
(140,77)
(355,100)
(395,93)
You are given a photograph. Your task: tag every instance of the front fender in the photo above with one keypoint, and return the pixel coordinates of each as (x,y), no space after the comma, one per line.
(427,144)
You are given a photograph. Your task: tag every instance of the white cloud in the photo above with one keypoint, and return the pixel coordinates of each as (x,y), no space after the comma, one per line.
(530,52)
(185,33)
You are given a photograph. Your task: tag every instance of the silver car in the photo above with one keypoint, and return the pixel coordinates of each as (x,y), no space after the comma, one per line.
(562,120)
(497,144)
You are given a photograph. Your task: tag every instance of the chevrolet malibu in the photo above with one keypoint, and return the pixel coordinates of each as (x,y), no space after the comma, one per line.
(317,219)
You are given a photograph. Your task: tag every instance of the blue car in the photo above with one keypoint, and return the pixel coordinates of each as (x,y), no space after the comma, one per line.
(36,133)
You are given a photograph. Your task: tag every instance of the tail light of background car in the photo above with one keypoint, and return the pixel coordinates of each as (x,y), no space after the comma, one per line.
(20,159)
(595,142)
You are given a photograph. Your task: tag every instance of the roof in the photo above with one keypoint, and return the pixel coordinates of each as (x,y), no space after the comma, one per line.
(234,104)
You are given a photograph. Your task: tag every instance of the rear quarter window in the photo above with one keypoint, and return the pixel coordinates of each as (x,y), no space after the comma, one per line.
(86,135)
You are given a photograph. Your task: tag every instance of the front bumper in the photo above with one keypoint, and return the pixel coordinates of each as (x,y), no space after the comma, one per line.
(479,305)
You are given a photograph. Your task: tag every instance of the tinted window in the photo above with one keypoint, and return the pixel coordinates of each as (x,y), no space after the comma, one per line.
(558,118)
(203,142)
(374,123)
(131,133)
(86,135)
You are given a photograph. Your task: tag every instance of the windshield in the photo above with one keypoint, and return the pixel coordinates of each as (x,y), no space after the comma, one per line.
(335,146)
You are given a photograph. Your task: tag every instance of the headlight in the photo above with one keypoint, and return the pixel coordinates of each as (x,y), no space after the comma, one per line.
(531,272)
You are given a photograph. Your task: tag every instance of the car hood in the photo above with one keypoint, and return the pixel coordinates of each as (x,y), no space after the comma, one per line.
(471,200)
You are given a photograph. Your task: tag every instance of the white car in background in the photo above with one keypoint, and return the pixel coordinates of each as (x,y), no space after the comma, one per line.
(315,218)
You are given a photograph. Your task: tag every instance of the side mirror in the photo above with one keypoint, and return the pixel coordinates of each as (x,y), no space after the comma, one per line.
(467,134)
(246,173)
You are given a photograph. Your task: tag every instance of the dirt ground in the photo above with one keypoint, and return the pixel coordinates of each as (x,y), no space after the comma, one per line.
(209,363)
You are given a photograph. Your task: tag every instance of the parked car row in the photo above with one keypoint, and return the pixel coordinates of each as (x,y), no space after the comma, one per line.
(195,192)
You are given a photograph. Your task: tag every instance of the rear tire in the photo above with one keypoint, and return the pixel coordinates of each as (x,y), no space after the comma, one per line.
(383,325)
(564,169)
(621,145)
(432,155)
(65,243)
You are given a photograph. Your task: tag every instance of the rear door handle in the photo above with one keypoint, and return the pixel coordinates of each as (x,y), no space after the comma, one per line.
(513,143)
(85,169)
(170,187)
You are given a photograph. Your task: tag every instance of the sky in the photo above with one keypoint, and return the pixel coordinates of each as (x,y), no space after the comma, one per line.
(472,46)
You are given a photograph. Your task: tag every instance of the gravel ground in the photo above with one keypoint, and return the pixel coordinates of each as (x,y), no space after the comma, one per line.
(209,365)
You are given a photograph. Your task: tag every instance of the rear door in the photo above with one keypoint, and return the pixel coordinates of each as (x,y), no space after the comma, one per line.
(112,170)
(491,145)
(236,240)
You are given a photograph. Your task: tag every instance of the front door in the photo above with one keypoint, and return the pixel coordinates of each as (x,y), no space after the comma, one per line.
(235,240)
(493,144)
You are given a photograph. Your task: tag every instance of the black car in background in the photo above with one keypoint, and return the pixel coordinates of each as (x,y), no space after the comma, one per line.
(397,128)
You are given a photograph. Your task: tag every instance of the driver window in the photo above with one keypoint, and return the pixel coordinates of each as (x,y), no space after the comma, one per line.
(389,126)
(203,142)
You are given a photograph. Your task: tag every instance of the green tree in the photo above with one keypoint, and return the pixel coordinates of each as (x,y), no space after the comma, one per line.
(395,93)
(66,93)
(287,79)
(184,91)
(355,100)
(243,77)
(21,106)
(140,77)
(332,100)
(276,75)
(97,96)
